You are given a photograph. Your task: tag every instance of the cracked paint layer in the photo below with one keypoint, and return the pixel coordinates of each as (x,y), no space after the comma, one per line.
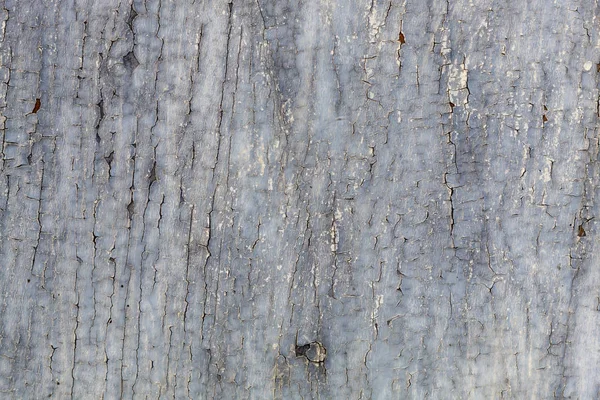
(298,199)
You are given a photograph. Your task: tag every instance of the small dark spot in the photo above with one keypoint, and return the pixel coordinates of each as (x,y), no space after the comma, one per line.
(130,208)
(544,118)
(121,285)
(152,177)
(109,158)
(110,320)
(109,161)
(580,231)
(597,67)
(314,352)
(100,106)
(545,108)
(127,305)
(452,105)
(28,280)
(401,38)
(301,350)
(57,382)
(219,377)
(130,61)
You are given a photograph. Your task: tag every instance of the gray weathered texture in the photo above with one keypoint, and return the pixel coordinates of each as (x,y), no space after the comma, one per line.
(207,185)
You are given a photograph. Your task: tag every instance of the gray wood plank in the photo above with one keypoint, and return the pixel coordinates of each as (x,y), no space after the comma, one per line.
(299,199)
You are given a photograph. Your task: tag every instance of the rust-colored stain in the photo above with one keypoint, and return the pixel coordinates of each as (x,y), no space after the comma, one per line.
(37,106)
(580,231)
(401,38)
(544,118)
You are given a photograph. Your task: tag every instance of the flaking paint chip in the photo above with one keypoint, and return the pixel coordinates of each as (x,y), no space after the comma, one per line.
(401,38)
(36,107)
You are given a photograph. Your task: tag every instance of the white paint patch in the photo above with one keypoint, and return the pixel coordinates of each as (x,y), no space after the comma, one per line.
(334,238)
(261,160)
(546,175)
(587,65)
(378,303)
(338,215)
(457,84)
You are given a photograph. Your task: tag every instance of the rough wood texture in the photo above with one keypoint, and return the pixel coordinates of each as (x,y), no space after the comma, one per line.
(299,199)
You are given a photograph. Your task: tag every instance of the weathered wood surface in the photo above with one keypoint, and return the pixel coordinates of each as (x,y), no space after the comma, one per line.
(209,194)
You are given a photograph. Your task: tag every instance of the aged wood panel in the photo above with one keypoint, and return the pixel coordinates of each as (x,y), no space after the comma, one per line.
(299,199)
